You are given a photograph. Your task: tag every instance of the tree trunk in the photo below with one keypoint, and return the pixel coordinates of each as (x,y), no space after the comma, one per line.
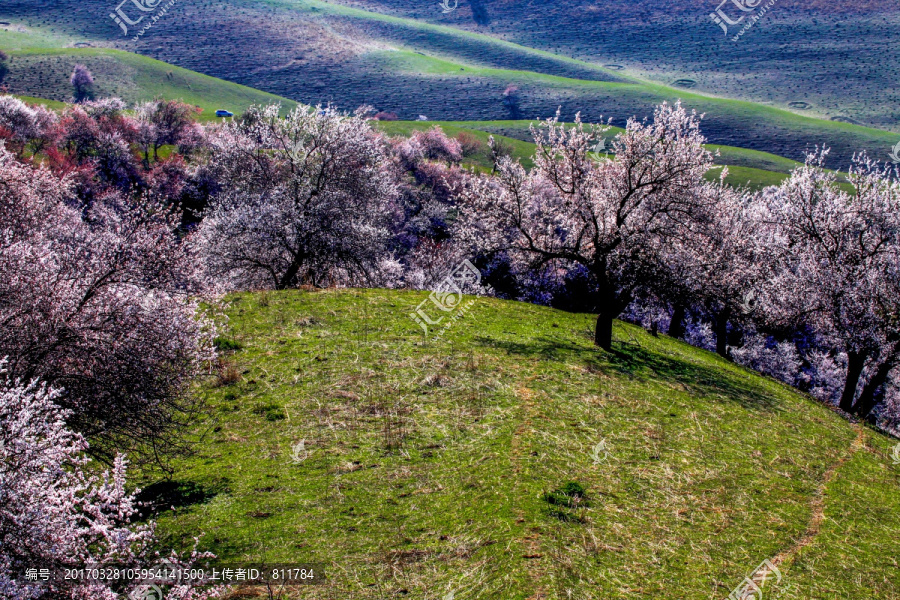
(603,331)
(855,363)
(866,401)
(610,304)
(722,332)
(676,325)
(288,276)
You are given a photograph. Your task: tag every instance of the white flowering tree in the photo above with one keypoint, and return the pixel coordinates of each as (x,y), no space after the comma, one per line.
(305,199)
(25,127)
(617,217)
(718,264)
(55,512)
(836,267)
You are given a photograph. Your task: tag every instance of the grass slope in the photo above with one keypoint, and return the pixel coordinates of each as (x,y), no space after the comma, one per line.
(45,72)
(426,466)
(802,55)
(449,64)
(318,52)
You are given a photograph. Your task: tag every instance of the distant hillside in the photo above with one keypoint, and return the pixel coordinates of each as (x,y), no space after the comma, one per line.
(420,468)
(320,52)
(45,73)
(746,168)
(802,55)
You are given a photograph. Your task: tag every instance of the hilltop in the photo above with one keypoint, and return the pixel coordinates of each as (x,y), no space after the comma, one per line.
(43,73)
(413,467)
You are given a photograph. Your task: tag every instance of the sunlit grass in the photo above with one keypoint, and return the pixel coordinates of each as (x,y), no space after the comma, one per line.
(426,465)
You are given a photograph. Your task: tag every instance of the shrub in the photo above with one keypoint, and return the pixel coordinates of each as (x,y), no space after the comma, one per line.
(223,344)
(271,412)
(386,116)
(4,65)
(469,144)
(83,82)
(228,373)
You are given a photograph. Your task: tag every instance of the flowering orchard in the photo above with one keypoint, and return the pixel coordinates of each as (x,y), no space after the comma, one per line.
(109,246)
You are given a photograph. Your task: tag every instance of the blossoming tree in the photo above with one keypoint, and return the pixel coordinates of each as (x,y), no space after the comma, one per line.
(616,217)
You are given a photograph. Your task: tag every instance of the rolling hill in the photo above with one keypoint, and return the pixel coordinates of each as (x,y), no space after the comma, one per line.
(44,73)
(504,456)
(801,55)
(512,459)
(40,69)
(320,52)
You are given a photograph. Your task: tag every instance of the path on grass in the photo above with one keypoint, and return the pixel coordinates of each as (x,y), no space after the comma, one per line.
(764,572)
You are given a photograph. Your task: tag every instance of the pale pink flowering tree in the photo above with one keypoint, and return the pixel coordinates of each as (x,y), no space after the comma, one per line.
(617,217)
(54,513)
(305,199)
(101,302)
(836,267)
(429,145)
(166,122)
(28,127)
(716,262)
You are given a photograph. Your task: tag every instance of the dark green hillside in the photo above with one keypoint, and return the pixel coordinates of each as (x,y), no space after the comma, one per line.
(45,72)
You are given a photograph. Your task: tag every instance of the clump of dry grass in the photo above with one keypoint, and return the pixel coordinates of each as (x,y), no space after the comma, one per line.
(227,373)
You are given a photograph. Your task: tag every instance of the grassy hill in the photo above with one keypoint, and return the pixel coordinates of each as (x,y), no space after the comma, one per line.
(45,72)
(319,52)
(442,468)
(801,56)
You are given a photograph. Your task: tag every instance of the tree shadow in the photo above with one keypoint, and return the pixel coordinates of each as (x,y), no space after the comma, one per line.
(635,362)
(546,348)
(167,494)
(643,364)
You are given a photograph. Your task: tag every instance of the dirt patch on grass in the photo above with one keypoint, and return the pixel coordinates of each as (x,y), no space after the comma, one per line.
(818,502)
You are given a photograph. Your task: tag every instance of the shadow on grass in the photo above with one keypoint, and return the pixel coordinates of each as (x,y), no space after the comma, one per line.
(545,347)
(164,495)
(635,362)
